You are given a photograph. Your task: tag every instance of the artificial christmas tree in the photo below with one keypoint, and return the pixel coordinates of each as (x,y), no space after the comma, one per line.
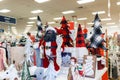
(65,33)
(25,72)
(97,40)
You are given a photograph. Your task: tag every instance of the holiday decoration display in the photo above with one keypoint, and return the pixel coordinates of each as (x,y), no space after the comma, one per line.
(11,73)
(65,34)
(80,38)
(25,72)
(66,59)
(36,46)
(97,41)
(29,50)
(39,29)
(51,73)
(96,38)
(49,46)
(81,49)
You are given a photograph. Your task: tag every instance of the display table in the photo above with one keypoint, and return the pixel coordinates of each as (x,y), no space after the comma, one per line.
(17,54)
(98,75)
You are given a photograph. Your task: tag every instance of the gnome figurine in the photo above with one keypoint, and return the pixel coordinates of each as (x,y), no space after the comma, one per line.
(49,47)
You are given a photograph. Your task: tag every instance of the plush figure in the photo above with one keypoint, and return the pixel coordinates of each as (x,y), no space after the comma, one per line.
(50,73)
(65,34)
(73,73)
(22,41)
(36,46)
(10,73)
(29,50)
(49,47)
(80,43)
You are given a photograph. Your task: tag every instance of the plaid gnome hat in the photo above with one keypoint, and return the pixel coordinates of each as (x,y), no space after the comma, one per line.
(64,21)
(80,38)
(39,28)
(39,23)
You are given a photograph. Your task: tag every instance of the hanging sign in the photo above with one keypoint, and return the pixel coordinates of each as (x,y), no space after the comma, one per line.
(6,19)
(1,30)
(89,66)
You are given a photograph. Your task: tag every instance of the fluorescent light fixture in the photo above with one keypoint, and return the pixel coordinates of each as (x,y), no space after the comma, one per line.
(51,22)
(58,18)
(90,23)
(36,11)
(13,27)
(41,1)
(113,26)
(110,23)
(33,18)
(31,22)
(29,25)
(99,12)
(106,19)
(68,12)
(4,11)
(84,1)
(118,3)
(82,18)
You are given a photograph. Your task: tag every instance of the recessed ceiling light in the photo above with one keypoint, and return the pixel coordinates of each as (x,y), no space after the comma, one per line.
(84,1)
(36,11)
(4,11)
(58,18)
(31,22)
(51,22)
(110,23)
(106,19)
(41,1)
(82,18)
(68,12)
(29,25)
(32,18)
(118,3)
(98,12)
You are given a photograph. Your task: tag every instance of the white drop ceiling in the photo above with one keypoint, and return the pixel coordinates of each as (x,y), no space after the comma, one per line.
(21,10)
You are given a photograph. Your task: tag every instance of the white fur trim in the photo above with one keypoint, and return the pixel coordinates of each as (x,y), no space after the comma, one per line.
(51,28)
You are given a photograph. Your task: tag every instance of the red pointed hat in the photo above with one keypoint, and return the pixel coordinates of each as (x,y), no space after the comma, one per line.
(80,38)
(64,21)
